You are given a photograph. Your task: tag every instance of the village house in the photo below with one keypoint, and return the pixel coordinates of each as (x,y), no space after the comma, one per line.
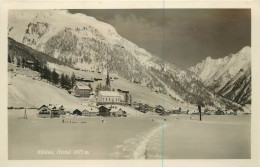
(109,97)
(77,112)
(85,113)
(104,111)
(117,113)
(82,91)
(44,112)
(90,113)
(51,111)
(57,110)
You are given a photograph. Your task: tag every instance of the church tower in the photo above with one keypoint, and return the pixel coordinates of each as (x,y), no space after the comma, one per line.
(108,87)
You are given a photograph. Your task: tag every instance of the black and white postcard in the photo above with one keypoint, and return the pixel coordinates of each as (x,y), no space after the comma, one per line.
(152,84)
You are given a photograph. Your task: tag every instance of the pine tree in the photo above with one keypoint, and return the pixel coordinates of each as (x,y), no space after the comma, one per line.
(68,82)
(55,77)
(73,79)
(62,80)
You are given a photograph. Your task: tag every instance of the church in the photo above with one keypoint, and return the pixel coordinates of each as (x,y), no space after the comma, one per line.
(107,96)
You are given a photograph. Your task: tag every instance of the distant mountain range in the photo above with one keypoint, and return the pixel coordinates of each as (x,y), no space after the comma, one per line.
(229,76)
(86,43)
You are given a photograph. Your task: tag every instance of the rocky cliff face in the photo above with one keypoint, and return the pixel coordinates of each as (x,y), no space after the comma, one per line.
(229,76)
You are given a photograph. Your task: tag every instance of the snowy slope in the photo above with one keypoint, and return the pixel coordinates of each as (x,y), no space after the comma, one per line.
(86,43)
(229,76)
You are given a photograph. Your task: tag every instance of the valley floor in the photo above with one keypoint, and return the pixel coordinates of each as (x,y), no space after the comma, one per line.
(142,137)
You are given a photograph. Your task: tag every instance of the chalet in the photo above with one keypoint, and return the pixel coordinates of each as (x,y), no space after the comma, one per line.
(51,111)
(121,113)
(85,113)
(44,112)
(77,112)
(89,113)
(109,97)
(104,111)
(82,91)
(118,113)
(57,110)
(92,113)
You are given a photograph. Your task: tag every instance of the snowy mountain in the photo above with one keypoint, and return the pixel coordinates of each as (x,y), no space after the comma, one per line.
(86,43)
(229,76)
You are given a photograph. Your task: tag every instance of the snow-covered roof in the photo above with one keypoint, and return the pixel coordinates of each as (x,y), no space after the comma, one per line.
(113,111)
(109,93)
(83,87)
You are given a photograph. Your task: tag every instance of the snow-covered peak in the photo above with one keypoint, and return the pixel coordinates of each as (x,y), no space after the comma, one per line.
(210,70)
(57,19)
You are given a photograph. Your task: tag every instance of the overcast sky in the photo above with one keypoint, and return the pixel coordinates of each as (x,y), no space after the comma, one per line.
(190,35)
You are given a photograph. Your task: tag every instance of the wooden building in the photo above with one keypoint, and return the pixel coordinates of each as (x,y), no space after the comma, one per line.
(44,112)
(82,91)
(104,111)
(57,111)
(77,112)
(51,111)
(118,113)
(89,113)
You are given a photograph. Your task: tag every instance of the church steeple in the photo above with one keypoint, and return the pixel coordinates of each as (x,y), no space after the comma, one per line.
(108,80)
(108,87)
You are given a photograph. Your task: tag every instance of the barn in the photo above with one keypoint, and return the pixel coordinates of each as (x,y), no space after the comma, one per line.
(77,112)
(104,111)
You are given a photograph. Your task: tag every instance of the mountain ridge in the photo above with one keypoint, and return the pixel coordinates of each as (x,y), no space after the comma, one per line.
(86,43)
(218,74)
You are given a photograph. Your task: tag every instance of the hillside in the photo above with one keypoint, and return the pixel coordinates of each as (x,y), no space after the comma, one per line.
(88,44)
(229,76)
